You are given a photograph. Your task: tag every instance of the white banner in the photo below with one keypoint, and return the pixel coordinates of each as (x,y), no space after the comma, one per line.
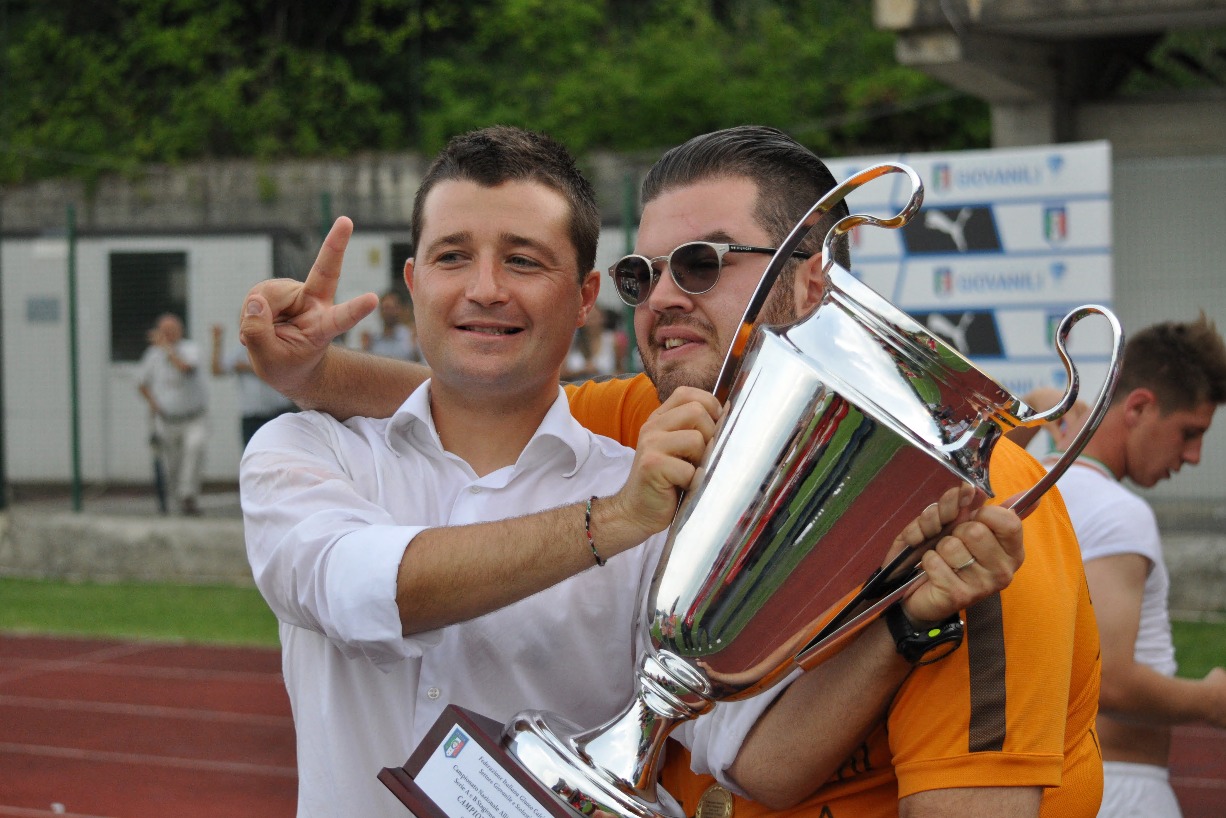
(1007,243)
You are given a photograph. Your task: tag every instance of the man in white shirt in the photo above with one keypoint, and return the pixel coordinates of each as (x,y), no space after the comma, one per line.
(1172,380)
(258,402)
(378,637)
(170,381)
(368,537)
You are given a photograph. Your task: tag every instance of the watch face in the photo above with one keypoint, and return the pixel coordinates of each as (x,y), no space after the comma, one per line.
(927,646)
(938,650)
(935,643)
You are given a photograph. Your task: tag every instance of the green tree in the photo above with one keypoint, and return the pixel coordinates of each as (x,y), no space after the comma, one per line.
(94,87)
(103,86)
(680,67)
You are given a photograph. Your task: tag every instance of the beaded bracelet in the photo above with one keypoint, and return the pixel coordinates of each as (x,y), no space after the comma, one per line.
(587,526)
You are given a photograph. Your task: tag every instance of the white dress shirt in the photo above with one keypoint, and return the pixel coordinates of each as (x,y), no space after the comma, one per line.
(329,509)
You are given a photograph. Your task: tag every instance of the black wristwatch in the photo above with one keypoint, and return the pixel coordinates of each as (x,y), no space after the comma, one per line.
(927,646)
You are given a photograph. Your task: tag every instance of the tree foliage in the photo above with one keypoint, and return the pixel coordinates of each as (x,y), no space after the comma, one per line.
(90,87)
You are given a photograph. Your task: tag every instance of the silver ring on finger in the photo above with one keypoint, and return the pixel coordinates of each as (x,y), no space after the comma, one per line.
(966,564)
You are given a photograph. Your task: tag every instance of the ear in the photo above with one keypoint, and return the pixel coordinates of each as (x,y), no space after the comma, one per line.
(810,285)
(1137,403)
(408,274)
(588,290)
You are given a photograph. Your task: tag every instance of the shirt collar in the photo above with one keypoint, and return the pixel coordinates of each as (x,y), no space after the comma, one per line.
(413,424)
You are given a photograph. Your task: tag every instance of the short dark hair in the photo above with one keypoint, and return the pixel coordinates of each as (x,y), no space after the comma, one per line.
(498,154)
(789,177)
(1184,364)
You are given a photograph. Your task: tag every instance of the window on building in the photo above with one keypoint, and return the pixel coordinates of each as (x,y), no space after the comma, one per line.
(143,286)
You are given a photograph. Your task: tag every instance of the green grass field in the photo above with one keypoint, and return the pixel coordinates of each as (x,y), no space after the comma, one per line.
(1199,647)
(177,613)
(238,616)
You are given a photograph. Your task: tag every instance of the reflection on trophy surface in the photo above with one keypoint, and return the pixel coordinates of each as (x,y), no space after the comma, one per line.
(839,430)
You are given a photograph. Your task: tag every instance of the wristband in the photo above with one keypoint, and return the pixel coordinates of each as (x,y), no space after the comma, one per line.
(587,527)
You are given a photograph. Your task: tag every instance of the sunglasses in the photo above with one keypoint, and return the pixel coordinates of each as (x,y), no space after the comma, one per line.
(695,268)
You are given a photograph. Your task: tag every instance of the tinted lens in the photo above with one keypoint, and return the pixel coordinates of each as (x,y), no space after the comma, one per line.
(695,267)
(633,278)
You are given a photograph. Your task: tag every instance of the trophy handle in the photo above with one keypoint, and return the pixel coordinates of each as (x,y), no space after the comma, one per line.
(893,580)
(1024,503)
(732,362)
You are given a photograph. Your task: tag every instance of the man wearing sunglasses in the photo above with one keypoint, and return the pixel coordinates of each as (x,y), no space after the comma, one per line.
(1004,725)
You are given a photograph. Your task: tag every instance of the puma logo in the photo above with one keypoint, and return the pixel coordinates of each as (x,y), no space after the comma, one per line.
(938,220)
(954,333)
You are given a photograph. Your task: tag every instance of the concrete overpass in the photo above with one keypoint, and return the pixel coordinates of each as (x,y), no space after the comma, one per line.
(1052,69)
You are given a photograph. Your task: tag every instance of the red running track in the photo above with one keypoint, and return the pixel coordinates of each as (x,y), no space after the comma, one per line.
(107,729)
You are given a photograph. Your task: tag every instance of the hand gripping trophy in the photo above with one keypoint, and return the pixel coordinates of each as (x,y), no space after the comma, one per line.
(839,429)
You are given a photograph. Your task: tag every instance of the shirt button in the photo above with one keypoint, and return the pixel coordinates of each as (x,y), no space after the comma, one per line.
(474,489)
(432,693)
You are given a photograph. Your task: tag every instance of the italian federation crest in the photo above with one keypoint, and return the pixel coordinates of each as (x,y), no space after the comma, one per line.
(455,743)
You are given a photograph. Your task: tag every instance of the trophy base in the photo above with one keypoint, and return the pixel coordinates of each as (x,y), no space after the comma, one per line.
(543,744)
(460,770)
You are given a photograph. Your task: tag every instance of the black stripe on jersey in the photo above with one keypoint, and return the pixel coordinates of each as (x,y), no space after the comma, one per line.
(985,641)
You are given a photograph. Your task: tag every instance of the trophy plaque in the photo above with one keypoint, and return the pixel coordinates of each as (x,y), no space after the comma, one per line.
(460,770)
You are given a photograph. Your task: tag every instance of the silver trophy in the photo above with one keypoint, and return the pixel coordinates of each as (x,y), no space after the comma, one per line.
(839,430)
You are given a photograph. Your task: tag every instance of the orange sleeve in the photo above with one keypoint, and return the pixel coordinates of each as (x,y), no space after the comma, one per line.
(615,408)
(1016,705)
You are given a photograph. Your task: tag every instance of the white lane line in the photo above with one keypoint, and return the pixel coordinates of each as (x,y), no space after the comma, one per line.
(25,812)
(35,667)
(150,710)
(147,760)
(27,666)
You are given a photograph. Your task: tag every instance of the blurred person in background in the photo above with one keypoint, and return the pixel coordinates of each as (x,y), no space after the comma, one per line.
(258,402)
(1056,436)
(170,381)
(155,444)
(592,353)
(397,337)
(1171,382)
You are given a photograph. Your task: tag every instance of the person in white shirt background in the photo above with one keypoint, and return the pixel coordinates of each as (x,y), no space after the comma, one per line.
(258,402)
(397,337)
(170,381)
(1172,380)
